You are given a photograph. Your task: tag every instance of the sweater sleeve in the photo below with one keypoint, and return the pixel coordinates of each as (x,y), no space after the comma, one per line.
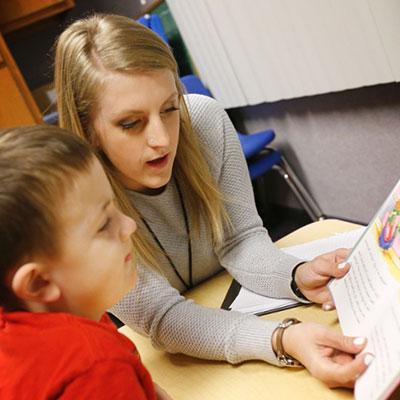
(107,380)
(247,252)
(155,309)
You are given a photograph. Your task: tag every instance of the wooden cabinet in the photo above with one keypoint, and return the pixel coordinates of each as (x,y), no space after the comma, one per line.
(15,14)
(17,106)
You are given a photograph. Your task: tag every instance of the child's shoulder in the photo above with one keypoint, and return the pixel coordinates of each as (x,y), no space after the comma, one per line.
(50,351)
(62,335)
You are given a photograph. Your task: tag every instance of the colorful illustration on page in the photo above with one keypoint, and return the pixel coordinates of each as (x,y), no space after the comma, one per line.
(388,232)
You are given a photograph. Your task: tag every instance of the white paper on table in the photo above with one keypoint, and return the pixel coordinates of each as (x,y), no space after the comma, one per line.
(252,303)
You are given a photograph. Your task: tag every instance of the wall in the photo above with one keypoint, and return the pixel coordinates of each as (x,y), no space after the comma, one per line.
(269,50)
(344,146)
(343,143)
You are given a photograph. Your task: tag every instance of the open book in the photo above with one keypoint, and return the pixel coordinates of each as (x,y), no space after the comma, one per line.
(367,299)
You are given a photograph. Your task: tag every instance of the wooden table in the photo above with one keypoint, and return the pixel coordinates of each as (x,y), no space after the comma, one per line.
(190,378)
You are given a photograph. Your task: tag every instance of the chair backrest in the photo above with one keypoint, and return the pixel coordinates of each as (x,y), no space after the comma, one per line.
(153,22)
(194,85)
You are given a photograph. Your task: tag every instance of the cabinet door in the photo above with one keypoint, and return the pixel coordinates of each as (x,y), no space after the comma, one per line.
(13,108)
(15,14)
(17,106)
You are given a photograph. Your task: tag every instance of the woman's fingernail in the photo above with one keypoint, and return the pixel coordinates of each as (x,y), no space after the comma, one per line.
(341,265)
(359,341)
(368,359)
(327,307)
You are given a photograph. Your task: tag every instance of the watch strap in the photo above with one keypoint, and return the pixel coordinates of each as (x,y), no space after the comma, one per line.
(293,284)
(284,359)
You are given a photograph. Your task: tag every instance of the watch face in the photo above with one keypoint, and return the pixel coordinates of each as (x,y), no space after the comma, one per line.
(287,361)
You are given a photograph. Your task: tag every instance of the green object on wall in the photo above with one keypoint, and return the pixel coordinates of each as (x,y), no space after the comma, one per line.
(181,54)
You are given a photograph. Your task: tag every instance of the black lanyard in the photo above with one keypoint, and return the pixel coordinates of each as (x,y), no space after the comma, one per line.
(185,216)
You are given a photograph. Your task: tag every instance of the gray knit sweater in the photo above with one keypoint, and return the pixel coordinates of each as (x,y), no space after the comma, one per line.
(155,306)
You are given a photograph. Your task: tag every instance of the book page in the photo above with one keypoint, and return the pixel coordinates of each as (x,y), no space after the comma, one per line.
(359,293)
(367,299)
(252,303)
(375,270)
(382,376)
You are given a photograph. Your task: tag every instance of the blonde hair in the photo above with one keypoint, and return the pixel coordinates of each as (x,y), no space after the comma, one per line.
(88,49)
(37,165)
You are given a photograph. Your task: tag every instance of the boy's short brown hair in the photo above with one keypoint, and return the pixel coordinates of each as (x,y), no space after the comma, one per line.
(37,165)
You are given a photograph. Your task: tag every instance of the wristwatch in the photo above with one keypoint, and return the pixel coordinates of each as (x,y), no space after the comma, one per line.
(293,284)
(284,359)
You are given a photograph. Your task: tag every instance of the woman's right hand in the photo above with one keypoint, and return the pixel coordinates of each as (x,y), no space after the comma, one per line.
(328,355)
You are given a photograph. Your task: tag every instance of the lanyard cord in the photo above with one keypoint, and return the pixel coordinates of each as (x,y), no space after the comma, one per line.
(186,219)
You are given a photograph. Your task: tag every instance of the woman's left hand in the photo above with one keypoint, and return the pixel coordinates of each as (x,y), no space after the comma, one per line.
(329,356)
(312,276)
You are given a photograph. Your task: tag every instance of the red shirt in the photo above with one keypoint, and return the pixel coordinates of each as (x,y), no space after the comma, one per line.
(62,356)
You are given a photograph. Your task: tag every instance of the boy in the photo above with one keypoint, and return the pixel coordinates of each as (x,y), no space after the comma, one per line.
(65,257)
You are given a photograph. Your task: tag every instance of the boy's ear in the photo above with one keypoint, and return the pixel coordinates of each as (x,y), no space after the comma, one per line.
(30,284)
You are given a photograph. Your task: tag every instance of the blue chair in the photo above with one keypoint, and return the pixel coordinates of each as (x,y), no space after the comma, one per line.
(251,144)
(153,22)
(260,158)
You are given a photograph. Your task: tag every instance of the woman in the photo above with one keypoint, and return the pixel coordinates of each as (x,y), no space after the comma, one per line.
(175,161)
